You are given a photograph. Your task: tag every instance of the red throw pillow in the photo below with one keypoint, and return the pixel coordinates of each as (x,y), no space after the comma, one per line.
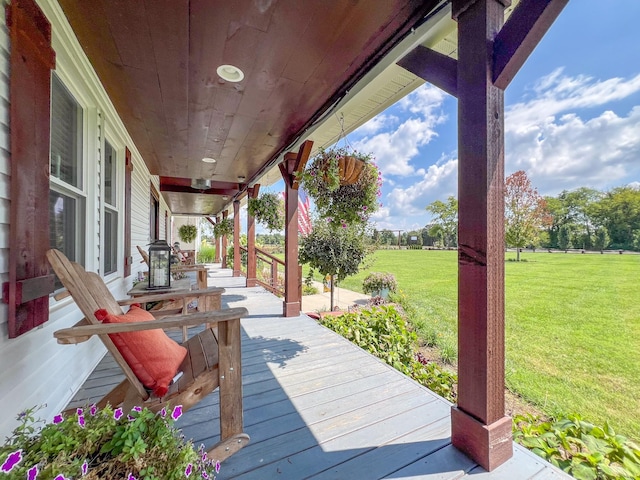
(151,354)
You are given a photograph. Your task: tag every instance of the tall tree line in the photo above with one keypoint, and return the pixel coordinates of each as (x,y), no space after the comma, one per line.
(584,218)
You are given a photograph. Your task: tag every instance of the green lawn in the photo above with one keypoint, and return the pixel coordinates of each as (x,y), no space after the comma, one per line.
(573,326)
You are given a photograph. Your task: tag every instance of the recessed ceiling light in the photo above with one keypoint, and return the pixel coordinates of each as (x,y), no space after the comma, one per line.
(230,73)
(209,160)
(241,178)
(225,197)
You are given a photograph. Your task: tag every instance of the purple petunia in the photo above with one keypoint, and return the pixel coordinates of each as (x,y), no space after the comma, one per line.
(217,467)
(131,477)
(12,460)
(188,470)
(117,414)
(163,412)
(79,412)
(177,412)
(93,410)
(32,473)
(81,421)
(61,477)
(58,419)
(137,409)
(85,468)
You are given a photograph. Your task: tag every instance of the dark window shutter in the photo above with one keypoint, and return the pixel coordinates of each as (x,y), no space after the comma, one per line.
(128,168)
(32,58)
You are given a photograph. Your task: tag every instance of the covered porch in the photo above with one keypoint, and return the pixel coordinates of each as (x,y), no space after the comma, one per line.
(316,406)
(313,402)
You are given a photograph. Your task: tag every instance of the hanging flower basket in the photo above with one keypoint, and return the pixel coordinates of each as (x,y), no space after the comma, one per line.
(345,185)
(268,210)
(350,168)
(187,233)
(223,227)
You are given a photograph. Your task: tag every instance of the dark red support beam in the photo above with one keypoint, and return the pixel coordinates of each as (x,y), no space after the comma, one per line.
(520,35)
(252,192)
(237,255)
(479,425)
(293,162)
(223,252)
(433,67)
(218,256)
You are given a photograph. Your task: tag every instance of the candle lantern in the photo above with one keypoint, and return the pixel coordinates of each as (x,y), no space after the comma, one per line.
(159,265)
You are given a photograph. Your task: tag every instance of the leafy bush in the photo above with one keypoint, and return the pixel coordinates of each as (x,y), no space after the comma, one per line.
(584,450)
(97,444)
(223,227)
(384,332)
(207,253)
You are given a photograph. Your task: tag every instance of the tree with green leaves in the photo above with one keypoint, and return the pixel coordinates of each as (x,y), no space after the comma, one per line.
(335,250)
(602,239)
(526,212)
(619,212)
(564,237)
(444,221)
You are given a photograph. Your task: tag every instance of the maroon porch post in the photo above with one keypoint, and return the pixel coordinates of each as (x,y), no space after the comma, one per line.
(223,253)
(217,258)
(252,192)
(293,162)
(479,425)
(237,256)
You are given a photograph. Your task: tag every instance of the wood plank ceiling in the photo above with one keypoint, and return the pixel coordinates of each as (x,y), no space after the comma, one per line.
(158,58)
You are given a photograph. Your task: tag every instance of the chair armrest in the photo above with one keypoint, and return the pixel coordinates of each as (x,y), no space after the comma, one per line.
(157,297)
(82,333)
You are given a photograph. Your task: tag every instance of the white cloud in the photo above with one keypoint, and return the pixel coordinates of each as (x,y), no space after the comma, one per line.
(557,93)
(562,149)
(405,207)
(376,124)
(395,149)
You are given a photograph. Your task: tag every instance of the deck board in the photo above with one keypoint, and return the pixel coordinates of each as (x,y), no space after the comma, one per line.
(316,406)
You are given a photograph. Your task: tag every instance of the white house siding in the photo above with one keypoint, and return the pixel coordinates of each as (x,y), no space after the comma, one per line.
(35,369)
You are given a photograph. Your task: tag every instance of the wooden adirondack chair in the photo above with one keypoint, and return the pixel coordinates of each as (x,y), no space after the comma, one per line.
(213,358)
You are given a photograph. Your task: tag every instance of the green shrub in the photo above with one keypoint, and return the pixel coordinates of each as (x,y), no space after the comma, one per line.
(384,332)
(584,450)
(207,253)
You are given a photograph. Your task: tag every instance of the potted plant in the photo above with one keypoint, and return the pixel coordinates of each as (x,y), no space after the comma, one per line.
(268,210)
(94,444)
(187,233)
(379,284)
(223,227)
(344,184)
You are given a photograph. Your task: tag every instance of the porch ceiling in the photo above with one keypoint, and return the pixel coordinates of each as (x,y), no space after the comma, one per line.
(158,60)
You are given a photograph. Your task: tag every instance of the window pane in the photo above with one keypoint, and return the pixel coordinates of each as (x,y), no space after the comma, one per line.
(109,174)
(66,138)
(66,230)
(110,241)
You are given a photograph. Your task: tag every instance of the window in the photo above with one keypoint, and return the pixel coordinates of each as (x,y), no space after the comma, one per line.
(66,194)
(110,191)
(154,215)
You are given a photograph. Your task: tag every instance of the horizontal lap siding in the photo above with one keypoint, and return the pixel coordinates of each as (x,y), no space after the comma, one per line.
(35,369)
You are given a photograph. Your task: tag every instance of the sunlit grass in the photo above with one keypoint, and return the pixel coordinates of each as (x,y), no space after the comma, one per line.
(572,325)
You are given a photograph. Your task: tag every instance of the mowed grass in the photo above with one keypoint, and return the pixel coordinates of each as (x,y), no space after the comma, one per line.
(572,326)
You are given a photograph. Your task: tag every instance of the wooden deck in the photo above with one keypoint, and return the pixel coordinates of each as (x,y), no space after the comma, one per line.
(317,406)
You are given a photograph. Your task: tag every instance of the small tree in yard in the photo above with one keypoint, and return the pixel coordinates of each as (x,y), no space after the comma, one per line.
(445,221)
(525,212)
(335,250)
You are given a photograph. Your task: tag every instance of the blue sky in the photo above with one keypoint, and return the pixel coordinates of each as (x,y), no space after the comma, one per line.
(572,118)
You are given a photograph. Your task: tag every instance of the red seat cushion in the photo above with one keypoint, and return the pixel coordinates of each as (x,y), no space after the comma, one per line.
(151,354)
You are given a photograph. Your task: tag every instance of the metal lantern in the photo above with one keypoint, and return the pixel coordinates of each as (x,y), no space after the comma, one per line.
(159,265)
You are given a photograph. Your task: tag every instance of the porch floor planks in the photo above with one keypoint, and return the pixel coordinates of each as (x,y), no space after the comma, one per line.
(318,407)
